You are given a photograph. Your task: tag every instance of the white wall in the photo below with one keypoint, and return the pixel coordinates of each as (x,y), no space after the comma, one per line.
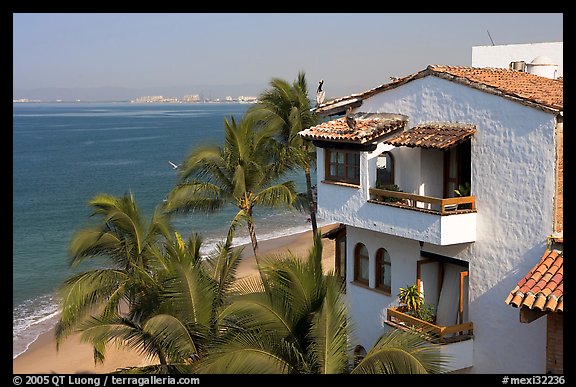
(513,181)
(500,56)
(431,172)
(369,305)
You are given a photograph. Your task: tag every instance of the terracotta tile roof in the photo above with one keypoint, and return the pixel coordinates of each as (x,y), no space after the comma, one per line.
(358,128)
(522,87)
(513,84)
(437,135)
(543,287)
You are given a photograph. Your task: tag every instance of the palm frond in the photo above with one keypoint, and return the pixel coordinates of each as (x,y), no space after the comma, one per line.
(277,195)
(241,216)
(194,196)
(301,203)
(95,291)
(189,293)
(256,311)
(239,181)
(156,369)
(175,338)
(204,162)
(328,335)
(92,242)
(402,352)
(118,331)
(251,352)
(223,265)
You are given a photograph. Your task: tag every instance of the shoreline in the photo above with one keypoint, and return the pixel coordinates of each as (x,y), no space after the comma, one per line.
(41,356)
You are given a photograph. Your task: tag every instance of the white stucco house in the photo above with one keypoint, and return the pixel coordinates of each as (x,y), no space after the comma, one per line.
(388,171)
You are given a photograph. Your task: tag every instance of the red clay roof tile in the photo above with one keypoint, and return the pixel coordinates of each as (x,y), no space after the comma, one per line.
(436,135)
(514,84)
(543,287)
(518,86)
(357,128)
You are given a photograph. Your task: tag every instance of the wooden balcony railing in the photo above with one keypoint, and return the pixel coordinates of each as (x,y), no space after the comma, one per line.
(446,206)
(443,334)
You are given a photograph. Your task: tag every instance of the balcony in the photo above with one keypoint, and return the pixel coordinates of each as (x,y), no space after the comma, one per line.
(449,206)
(397,318)
(426,211)
(423,218)
(456,341)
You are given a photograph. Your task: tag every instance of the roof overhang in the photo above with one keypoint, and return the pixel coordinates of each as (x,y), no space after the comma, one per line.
(339,107)
(434,135)
(542,289)
(357,130)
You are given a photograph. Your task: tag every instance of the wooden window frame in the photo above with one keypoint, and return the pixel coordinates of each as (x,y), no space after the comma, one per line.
(357,277)
(350,159)
(462,153)
(379,256)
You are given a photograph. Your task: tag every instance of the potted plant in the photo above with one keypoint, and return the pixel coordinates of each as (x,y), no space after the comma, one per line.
(426,313)
(390,187)
(414,305)
(463,190)
(410,297)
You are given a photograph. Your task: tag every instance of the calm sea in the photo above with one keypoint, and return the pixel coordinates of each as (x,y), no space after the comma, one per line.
(64,154)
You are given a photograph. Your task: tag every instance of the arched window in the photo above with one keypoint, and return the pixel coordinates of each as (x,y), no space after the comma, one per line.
(383,270)
(361,264)
(384,170)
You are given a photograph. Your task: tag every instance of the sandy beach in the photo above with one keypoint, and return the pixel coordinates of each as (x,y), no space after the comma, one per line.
(74,357)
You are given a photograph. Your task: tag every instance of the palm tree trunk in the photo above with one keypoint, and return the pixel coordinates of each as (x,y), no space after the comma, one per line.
(252,232)
(161,357)
(310,195)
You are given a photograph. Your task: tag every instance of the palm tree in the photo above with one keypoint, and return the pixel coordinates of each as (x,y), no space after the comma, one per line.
(288,108)
(298,323)
(243,172)
(125,242)
(191,293)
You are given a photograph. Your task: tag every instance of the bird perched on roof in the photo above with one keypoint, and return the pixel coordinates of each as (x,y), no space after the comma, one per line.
(320,94)
(349,119)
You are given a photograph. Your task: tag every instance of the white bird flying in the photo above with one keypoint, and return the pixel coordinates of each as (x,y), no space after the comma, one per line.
(174,166)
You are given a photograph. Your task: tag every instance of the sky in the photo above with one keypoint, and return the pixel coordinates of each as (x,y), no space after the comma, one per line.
(114,56)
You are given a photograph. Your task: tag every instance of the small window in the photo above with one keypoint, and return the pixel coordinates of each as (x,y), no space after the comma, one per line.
(384,170)
(383,270)
(361,264)
(343,166)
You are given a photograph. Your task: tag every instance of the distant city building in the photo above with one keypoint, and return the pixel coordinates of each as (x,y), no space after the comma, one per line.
(186,98)
(191,98)
(154,99)
(246,99)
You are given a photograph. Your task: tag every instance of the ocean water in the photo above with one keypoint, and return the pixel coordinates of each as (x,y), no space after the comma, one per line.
(64,154)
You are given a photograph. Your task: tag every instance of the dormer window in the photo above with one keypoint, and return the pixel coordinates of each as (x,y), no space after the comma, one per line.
(343,166)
